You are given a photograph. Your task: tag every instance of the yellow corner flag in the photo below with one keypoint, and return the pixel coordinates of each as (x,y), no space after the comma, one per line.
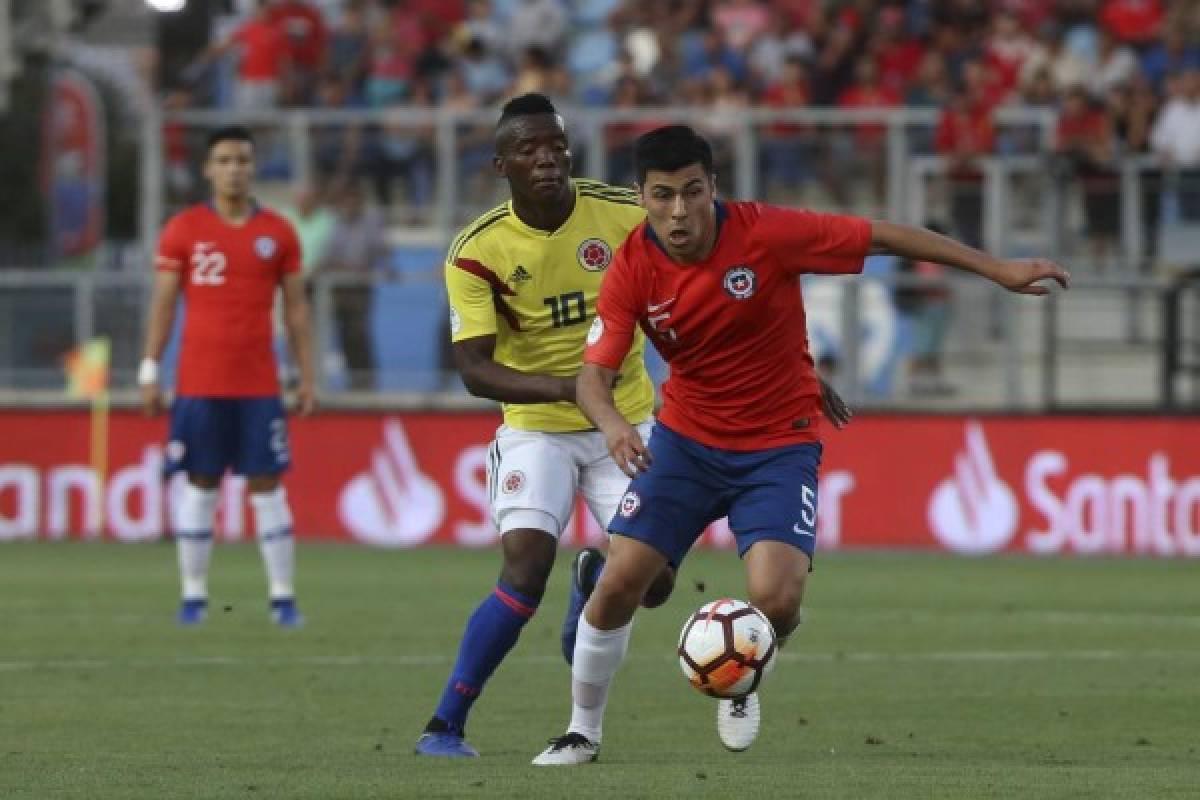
(87,376)
(87,368)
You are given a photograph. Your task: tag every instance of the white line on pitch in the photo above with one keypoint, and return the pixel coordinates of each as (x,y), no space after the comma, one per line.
(445,659)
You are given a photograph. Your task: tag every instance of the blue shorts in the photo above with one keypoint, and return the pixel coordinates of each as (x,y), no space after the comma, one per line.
(767,494)
(212,434)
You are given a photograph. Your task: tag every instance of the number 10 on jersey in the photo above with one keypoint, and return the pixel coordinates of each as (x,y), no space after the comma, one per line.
(567,309)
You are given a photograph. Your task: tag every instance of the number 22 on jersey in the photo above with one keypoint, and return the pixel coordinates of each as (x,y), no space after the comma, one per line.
(208,265)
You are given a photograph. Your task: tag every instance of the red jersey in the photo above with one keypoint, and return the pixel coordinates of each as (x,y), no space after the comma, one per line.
(303,30)
(263,51)
(228,274)
(732,327)
(1136,21)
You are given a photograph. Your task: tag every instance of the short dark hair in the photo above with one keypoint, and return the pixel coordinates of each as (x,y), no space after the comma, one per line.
(671,148)
(525,105)
(228,133)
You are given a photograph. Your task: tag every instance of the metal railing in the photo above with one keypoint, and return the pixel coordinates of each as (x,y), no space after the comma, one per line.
(993,350)
(446,135)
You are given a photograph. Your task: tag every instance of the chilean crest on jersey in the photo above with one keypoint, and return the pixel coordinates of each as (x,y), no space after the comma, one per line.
(264,246)
(631,503)
(739,282)
(594,255)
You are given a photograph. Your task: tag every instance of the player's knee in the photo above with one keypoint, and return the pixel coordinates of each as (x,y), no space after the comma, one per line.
(204,482)
(781,607)
(617,594)
(528,558)
(259,484)
(661,589)
(527,573)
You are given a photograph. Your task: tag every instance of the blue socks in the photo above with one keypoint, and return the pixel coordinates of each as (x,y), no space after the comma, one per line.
(491,632)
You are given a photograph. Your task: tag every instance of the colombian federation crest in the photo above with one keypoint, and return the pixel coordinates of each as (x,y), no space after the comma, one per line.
(594,255)
(740,282)
(513,482)
(264,246)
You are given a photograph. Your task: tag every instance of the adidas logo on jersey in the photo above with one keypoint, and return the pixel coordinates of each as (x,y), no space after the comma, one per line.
(519,275)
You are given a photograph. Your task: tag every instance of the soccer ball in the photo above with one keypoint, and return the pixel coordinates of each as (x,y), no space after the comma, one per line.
(726,648)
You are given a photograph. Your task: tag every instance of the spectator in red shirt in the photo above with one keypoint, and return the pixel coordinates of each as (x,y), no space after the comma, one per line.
(306,38)
(1084,148)
(440,17)
(304,29)
(787,147)
(897,54)
(1008,48)
(392,66)
(1137,22)
(263,62)
(868,145)
(965,134)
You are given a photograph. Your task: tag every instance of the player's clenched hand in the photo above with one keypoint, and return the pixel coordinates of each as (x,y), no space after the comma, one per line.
(151,399)
(626,447)
(1025,275)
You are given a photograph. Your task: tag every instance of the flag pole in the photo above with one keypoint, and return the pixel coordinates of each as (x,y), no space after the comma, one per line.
(99,458)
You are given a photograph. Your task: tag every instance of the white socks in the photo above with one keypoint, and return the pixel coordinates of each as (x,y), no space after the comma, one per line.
(194,538)
(273,521)
(597,655)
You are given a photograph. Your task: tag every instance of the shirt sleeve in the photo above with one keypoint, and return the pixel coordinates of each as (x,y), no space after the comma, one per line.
(172,252)
(811,242)
(292,254)
(612,331)
(472,306)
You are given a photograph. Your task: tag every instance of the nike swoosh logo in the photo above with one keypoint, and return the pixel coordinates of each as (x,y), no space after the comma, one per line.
(656,307)
(800,531)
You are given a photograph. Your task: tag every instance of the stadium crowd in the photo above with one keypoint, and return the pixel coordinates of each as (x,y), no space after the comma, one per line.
(1124,74)
(860,53)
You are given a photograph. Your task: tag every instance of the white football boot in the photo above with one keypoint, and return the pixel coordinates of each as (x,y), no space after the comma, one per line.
(568,750)
(737,721)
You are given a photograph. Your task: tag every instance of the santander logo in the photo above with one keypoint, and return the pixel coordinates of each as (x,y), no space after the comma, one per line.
(974,511)
(394,504)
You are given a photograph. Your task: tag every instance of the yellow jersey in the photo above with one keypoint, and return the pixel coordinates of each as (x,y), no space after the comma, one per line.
(536,291)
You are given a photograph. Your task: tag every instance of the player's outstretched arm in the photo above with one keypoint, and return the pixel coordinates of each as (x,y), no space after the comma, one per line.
(162,315)
(484,377)
(299,333)
(594,396)
(1023,276)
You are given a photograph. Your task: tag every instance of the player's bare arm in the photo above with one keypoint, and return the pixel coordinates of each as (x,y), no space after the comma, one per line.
(594,395)
(484,377)
(299,333)
(1023,276)
(158,329)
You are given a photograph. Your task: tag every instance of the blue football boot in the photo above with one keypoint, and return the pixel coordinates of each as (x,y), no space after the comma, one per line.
(585,571)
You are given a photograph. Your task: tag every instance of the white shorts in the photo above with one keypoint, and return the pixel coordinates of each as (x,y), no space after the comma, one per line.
(533,477)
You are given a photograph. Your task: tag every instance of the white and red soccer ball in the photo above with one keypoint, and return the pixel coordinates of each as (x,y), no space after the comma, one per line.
(727,648)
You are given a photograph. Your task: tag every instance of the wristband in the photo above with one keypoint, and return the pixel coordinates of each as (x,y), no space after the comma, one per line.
(147,373)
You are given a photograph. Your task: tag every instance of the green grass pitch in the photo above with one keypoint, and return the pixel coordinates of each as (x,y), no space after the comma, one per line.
(914,676)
